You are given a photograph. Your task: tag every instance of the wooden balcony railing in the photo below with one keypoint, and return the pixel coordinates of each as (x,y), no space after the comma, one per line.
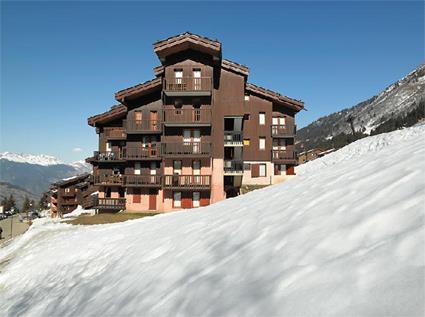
(283,155)
(187,181)
(70,193)
(142,180)
(89,201)
(108,179)
(142,126)
(288,130)
(186,149)
(233,166)
(233,138)
(152,151)
(188,84)
(111,156)
(187,116)
(110,203)
(115,133)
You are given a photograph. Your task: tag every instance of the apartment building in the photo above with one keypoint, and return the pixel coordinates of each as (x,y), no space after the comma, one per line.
(67,194)
(193,135)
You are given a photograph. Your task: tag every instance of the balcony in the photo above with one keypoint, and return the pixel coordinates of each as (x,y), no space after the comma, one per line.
(110,156)
(188,86)
(283,156)
(142,180)
(134,126)
(186,149)
(110,203)
(192,182)
(233,167)
(187,117)
(111,180)
(115,133)
(70,193)
(150,152)
(233,138)
(284,131)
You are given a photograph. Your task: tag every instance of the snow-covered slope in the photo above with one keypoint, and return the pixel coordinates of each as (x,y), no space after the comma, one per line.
(343,238)
(41,159)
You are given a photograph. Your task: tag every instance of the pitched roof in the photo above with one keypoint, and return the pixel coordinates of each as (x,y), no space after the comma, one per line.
(233,66)
(139,89)
(71,180)
(297,105)
(115,112)
(186,41)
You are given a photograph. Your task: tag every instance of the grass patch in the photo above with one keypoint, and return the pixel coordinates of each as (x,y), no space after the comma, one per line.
(108,218)
(249,188)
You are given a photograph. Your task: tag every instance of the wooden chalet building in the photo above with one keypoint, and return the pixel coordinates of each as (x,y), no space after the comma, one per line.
(67,194)
(192,135)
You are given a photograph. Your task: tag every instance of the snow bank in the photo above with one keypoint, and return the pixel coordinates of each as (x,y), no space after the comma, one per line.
(78,212)
(44,160)
(344,238)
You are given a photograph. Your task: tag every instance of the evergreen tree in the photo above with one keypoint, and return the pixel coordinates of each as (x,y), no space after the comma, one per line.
(11,202)
(27,205)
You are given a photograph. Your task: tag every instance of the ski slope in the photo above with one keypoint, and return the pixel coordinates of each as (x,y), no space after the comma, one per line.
(343,238)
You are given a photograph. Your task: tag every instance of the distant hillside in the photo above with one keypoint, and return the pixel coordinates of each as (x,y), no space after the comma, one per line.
(35,173)
(400,104)
(18,193)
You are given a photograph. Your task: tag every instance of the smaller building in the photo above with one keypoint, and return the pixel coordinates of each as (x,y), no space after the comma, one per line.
(312,154)
(67,194)
(309,155)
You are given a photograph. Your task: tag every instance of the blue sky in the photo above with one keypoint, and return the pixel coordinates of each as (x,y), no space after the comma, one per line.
(62,62)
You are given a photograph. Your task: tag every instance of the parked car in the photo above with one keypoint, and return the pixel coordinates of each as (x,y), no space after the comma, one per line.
(34,215)
(2,216)
(8,213)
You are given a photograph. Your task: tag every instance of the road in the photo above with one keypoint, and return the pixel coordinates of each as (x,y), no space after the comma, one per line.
(14,224)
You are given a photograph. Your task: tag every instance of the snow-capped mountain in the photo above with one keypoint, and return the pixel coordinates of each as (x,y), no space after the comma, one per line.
(345,237)
(41,159)
(396,100)
(36,172)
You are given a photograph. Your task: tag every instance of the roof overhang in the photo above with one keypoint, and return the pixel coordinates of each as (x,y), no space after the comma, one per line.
(235,67)
(186,41)
(294,104)
(116,112)
(138,90)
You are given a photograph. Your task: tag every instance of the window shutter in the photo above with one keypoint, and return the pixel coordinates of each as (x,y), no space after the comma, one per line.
(255,170)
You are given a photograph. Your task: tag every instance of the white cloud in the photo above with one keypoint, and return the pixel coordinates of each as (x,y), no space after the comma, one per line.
(77,149)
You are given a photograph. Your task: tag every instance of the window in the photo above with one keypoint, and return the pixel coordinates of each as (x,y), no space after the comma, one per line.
(262,143)
(67,190)
(197,79)
(275,121)
(137,168)
(246,97)
(178,74)
(262,118)
(177,199)
(196,197)
(262,170)
(108,146)
(177,167)
(196,167)
(246,142)
(138,116)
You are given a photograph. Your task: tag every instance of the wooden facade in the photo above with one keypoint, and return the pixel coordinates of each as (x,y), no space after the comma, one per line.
(67,194)
(193,135)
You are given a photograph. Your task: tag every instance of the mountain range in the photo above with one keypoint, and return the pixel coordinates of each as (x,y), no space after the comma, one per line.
(384,112)
(29,174)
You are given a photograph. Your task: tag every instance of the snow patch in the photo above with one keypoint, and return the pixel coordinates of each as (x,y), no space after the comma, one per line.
(343,238)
